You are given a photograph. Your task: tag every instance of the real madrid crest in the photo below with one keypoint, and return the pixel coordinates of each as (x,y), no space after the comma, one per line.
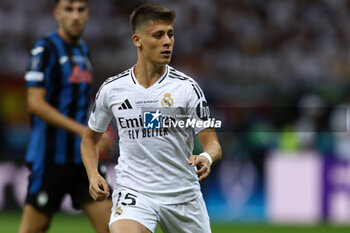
(167,101)
(118,211)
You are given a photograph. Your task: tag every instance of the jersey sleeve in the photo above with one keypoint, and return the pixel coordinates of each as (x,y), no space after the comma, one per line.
(41,62)
(101,114)
(198,108)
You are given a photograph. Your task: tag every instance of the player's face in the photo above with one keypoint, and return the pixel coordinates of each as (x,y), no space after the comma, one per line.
(156,41)
(72,17)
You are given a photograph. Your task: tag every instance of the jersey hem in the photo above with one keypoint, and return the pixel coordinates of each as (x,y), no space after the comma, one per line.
(157,198)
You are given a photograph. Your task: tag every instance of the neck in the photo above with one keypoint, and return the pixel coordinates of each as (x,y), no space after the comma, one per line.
(148,74)
(67,38)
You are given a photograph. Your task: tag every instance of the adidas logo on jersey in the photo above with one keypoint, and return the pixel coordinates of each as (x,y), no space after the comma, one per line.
(125,105)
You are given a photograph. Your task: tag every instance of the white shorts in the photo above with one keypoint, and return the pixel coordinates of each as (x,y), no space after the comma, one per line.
(186,217)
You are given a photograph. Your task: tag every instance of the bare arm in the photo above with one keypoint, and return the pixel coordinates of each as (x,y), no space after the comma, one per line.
(211,145)
(39,106)
(89,153)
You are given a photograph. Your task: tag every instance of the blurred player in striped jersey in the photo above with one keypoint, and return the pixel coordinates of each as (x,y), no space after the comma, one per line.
(157,180)
(59,88)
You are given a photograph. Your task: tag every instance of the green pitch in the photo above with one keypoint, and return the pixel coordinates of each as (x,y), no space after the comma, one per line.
(80,224)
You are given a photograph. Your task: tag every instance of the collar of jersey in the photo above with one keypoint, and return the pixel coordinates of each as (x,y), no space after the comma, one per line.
(162,77)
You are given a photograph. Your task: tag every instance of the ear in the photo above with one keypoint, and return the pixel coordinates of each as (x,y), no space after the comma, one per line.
(136,40)
(56,13)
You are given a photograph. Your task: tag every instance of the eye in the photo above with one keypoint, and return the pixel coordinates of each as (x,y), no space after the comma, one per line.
(171,34)
(68,9)
(81,9)
(158,35)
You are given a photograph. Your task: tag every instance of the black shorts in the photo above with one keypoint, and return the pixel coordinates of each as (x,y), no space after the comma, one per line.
(48,185)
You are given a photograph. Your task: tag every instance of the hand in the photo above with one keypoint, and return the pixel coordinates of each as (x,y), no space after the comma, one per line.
(203,163)
(98,189)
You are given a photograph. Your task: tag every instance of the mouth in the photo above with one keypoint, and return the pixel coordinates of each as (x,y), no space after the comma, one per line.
(76,26)
(166,53)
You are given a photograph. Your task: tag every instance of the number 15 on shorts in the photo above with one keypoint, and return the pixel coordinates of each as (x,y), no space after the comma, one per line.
(129,199)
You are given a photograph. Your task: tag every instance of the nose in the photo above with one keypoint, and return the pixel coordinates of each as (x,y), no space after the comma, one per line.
(76,14)
(167,41)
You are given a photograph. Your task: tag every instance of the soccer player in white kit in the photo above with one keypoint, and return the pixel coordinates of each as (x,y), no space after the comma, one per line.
(157,179)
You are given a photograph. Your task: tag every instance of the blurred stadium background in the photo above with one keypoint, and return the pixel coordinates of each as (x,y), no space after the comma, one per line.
(275,72)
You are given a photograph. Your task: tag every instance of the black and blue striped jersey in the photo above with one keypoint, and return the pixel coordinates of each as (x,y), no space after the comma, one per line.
(65,71)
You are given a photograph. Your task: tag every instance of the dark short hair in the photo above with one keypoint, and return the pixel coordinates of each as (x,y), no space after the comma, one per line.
(57,1)
(150,11)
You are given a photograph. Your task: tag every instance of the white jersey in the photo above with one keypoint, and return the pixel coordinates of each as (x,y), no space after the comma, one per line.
(153,161)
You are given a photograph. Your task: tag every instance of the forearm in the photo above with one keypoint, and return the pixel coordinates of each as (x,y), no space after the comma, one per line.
(210,144)
(52,116)
(213,148)
(89,155)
